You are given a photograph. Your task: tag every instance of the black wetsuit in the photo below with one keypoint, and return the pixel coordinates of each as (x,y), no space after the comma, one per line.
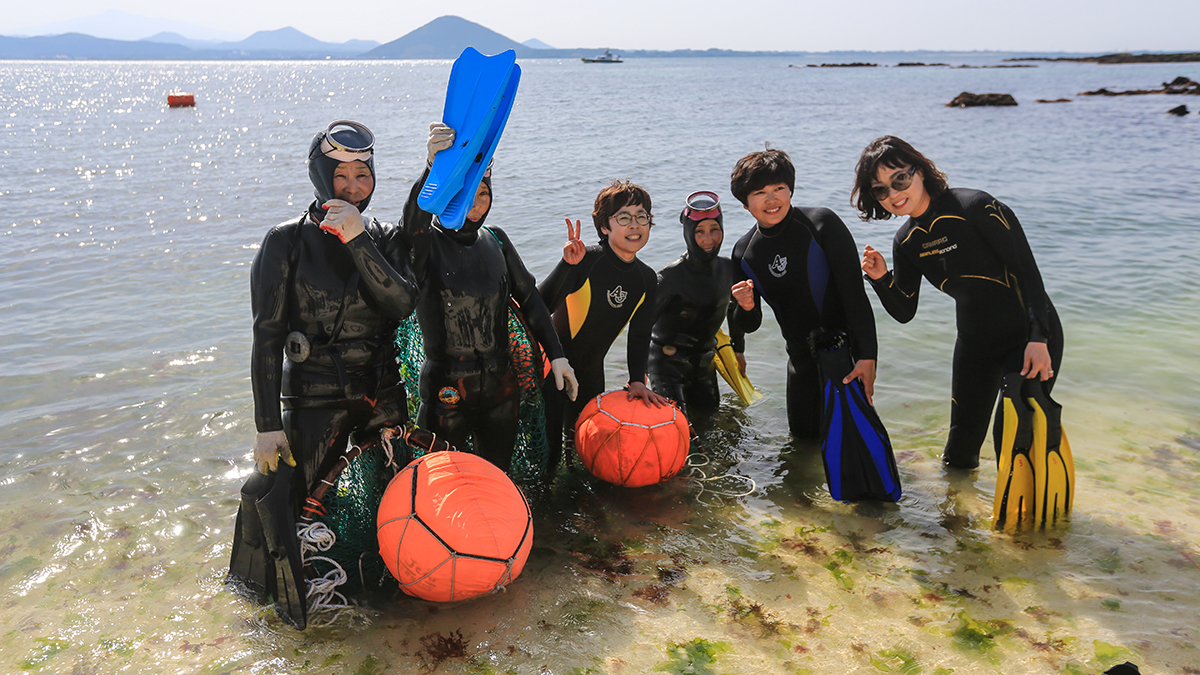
(467,277)
(693,301)
(807,269)
(592,302)
(346,299)
(971,247)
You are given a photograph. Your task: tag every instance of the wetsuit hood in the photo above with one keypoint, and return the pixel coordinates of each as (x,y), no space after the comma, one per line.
(690,217)
(470,228)
(342,141)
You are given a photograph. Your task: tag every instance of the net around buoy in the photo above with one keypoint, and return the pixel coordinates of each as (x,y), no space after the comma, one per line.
(629,443)
(453,526)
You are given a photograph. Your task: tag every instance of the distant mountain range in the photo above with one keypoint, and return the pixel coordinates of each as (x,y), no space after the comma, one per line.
(442,38)
(114,24)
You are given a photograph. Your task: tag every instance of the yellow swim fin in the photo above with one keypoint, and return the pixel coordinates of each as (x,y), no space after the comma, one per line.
(727,366)
(1053,466)
(1014,506)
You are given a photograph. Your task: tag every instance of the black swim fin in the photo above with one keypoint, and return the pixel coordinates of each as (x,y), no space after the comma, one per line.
(250,564)
(1053,466)
(859,462)
(1014,506)
(279,529)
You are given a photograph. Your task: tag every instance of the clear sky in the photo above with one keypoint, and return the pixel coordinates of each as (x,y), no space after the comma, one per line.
(1093,26)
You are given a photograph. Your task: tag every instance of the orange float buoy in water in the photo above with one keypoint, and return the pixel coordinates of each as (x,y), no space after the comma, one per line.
(179,99)
(453,526)
(629,443)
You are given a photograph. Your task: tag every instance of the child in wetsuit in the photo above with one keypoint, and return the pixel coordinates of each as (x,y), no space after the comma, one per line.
(778,261)
(693,300)
(594,292)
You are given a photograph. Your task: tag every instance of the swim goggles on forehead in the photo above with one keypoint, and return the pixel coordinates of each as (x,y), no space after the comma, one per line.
(702,205)
(899,183)
(347,141)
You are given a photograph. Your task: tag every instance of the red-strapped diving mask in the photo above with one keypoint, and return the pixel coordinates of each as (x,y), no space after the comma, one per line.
(702,205)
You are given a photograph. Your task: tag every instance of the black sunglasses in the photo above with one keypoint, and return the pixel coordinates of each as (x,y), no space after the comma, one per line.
(900,183)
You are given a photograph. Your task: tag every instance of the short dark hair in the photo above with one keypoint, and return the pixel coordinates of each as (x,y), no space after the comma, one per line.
(759,169)
(894,153)
(615,196)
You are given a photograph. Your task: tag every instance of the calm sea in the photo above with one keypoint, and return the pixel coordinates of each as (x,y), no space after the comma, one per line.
(126,234)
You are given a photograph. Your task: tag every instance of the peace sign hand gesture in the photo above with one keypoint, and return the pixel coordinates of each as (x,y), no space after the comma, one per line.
(574,249)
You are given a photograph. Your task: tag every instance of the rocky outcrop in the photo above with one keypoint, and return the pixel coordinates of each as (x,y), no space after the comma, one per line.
(969,100)
(1054,100)
(1179,110)
(1108,59)
(1180,85)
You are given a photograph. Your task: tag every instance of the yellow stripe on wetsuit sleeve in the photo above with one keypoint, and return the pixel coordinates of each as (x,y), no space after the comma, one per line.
(577,306)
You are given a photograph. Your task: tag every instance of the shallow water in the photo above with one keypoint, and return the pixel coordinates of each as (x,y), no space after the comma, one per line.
(127,234)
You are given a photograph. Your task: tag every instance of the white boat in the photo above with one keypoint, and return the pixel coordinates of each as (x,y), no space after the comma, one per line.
(606,57)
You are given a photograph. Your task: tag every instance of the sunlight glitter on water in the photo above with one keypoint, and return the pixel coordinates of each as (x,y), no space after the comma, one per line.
(128,416)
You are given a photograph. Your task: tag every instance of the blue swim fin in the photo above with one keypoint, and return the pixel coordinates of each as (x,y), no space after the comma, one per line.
(479,99)
(859,462)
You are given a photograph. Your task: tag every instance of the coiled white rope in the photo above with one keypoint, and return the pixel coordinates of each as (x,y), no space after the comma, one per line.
(697,478)
(322,591)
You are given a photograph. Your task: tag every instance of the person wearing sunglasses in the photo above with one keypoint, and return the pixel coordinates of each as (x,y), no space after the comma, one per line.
(804,263)
(468,277)
(327,290)
(970,246)
(693,300)
(594,292)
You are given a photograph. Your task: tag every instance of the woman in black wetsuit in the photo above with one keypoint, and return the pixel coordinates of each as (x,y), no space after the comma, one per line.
(327,289)
(467,277)
(693,300)
(970,246)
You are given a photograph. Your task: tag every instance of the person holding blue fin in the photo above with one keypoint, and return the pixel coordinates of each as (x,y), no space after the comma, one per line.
(693,301)
(804,263)
(594,292)
(468,277)
(327,290)
(971,246)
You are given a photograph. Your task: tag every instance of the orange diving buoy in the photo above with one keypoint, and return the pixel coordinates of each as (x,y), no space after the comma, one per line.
(453,526)
(179,99)
(629,443)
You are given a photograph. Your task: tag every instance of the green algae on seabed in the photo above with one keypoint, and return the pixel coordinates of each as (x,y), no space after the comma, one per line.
(692,658)
(1109,563)
(895,660)
(370,666)
(1110,655)
(47,649)
(840,558)
(751,614)
(578,611)
(978,636)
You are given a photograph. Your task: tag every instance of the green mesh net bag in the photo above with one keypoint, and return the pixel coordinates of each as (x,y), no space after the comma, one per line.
(525,358)
(348,509)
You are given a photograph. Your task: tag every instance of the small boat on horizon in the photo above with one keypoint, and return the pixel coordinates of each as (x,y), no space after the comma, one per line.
(606,57)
